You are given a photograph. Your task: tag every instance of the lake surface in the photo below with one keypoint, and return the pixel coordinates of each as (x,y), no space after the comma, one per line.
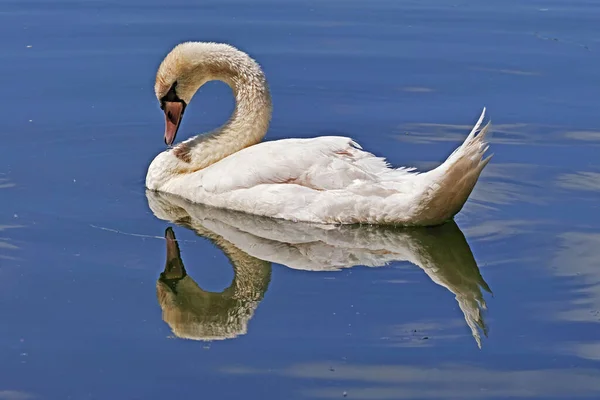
(505,304)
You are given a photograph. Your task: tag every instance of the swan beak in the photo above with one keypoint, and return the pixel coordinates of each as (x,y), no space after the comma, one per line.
(173,113)
(174,268)
(172,246)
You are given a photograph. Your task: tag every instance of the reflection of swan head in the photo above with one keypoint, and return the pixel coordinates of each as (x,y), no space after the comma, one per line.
(193,313)
(441,252)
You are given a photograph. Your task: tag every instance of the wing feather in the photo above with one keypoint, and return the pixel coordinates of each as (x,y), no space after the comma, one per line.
(323,163)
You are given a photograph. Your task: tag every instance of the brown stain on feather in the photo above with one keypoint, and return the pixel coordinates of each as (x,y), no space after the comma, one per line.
(183,152)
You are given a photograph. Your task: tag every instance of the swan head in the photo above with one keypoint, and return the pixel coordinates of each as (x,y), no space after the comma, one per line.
(177,80)
(190,65)
(173,106)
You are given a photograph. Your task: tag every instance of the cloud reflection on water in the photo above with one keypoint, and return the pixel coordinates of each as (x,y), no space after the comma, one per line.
(581,180)
(15,395)
(6,243)
(578,258)
(448,381)
(505,134)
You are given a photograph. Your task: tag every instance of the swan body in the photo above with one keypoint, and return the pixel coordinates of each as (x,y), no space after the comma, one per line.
(328,179)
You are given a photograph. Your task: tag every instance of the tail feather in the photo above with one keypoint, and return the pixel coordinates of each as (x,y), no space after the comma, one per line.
(475,144)
(475,141)
(485,161)
(453,181)
(477,125)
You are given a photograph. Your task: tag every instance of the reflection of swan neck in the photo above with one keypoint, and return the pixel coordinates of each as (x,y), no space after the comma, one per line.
(193,313)
(250,275)
(250,120)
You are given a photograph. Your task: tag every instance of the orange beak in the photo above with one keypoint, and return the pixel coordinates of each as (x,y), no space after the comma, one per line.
(173,113)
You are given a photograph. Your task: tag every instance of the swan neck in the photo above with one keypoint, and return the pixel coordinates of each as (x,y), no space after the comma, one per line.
(252,114)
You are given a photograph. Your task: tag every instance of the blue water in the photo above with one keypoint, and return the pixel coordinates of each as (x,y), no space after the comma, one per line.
(81,252)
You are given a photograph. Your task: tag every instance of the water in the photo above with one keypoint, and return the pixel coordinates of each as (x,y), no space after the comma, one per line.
(81,251)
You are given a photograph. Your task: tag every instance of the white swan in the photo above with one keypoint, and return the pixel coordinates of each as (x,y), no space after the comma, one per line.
(326,179)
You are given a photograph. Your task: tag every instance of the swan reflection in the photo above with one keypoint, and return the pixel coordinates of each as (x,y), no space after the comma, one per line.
(252,243)
(193,313)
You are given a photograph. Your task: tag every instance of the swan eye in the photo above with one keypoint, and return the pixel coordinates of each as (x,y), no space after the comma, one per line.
(171,96)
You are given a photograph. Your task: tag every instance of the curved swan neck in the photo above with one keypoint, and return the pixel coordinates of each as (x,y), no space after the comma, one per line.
(251,275)
(250,120)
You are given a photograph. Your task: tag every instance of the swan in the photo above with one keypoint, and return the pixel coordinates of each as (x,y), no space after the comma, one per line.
(252,243)
(327,179)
